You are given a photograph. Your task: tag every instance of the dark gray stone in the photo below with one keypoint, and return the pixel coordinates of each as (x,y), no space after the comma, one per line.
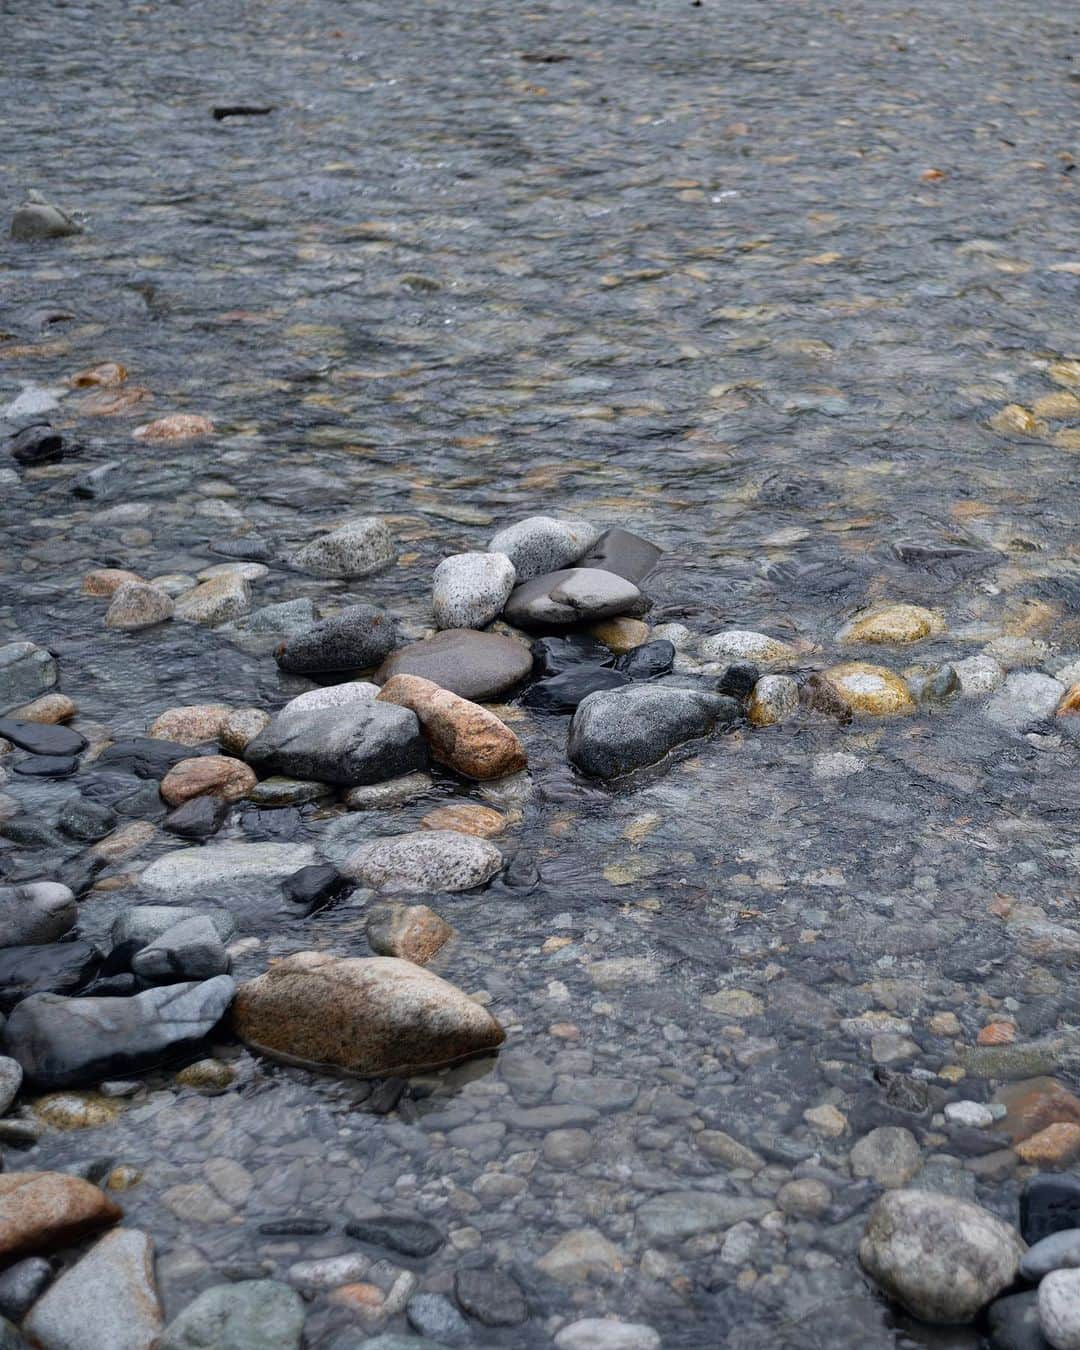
(555,655)
(562,693)
(625,554)
(357,638)
(145,757)
(614,733)
(578,595)
(398,1232)
(1013,1323)
(57,968)
(197,818)
(37,444)
(491,1297)
(357,743)
(469,663)
(82,818)
(190,950)
(22,1284)
(648,661)
(41,738)
(65,1042)
(35,913)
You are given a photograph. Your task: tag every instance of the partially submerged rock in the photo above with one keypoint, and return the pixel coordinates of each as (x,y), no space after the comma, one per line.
(614,733)
(374,1016)
(461,735)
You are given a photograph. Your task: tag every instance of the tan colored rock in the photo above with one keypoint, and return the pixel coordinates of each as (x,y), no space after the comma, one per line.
(175,427)
(579,1254)
(215,601)
(1055,1146)
(466,818)
(135,604)
(190,725)
(874,690)
(774,699)
(892,623)
(125,841)
(1070,704)
(241,726)
(50,709)
(412,932)
(373,1017)
(461,735)
(105,580)
(40,1211)
(108,375)
(76,1110)
(113,402)
(209,776)
(208,1075)
(620,635)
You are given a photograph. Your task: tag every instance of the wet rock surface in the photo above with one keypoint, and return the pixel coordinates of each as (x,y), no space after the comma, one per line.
(788,293)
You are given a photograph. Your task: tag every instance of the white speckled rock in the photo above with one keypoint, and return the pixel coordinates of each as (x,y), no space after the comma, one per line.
(1026,696)
(979,675)
(736,644)
(223,597)
(1059,1309)
(942,1258)
(607,1333)
(137,604)
(200,871)
(332,696)
(356,549)
(542,544)
(469,590)
(26,670)
(109,1298)
(425,862)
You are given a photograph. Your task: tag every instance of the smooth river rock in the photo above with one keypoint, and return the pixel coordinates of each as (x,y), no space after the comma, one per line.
(469,590)
(625,554)
(468,663)
(373,1016)
(543,544)
(577,595)
(942,1258)
(614,733)
(465,737)
(26,670)
(64,1042)
(202,871)
(1059,1309)
(356,549)
(247,1315)
(36,912)
(40,1211)
(353,744)
(356,639)
(424,863)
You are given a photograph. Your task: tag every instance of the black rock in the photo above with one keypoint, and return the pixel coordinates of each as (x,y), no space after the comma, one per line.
(64,1042)
(133,798)
(42,738)
(1049,1204)
(37,444)
(81,818)
(298,1227)
(29,832)
(316,886)
(80,872)
(625,554)
(22,1284)
(491,1297)
(357,638)
(1013,1323)
(738,680)
(362,742)
(47,766)
(249,547)
(385,1096)
(555,655)
(398,1233)
(648,661)
(56,968)
(562,693)
(197,818)
(614,733)
(146,758)
(946,560)
(277,822)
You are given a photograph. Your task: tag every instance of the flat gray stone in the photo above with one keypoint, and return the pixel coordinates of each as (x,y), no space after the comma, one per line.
(190,950)
(202,871)
(248,1315)
(473,665)
(36,912)
(1026,696)
(359,742)
(109,1298)
(677,1215)
(578,595)
(26,671)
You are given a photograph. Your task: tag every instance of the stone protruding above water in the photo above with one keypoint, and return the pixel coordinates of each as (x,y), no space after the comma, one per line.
(625,554)
(137,604)
(465,737)
(873,690)
(424,862)
(40,1211)
(26,670)
(357,638)
(469,590)
(357,743)
(464,661)
(542,544)
(356,549)
(36,912)
(614,733)
(576,595)
(36,218)
(942,1258)
(371,1016)
(64,1042)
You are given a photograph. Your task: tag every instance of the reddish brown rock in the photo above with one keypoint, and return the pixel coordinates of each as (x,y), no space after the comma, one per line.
(412,932)
(1056,1146)
(461,735)
(175,427)
(466,818)
(209,776)
(373,1017)
(241,726)
(192,725)
(40,1211)
(105,580)
(1034,1103)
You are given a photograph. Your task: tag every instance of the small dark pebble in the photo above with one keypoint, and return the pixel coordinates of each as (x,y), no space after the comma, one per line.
(239,110)
(294,1227)
(316,886)
(37,444)
(648,661)
(739,679)
(1049,1204)
(491,1297)
(22,1284)
(198,818)
(385,1096)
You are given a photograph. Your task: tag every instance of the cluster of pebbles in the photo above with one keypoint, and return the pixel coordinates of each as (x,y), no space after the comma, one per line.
(551,617)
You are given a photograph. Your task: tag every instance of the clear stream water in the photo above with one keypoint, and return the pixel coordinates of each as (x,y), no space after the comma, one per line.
(679,267)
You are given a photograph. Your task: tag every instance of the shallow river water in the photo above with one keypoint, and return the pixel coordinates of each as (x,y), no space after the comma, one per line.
(783,287)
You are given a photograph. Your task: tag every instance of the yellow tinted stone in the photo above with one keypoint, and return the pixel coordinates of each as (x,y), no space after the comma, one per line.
(892,623)
(870,689)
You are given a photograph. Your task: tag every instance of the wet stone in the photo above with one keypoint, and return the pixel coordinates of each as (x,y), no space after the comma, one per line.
(397,1233)
(41,739)
(465,737)
(1059,1309)
(191,725)
(46,766)
(35,913)
(362,742)
(470,590)
(197,818)
(355,549)
(41,1211)
(137,604)
(355,639)
(248,1315)
(26,671)
(559,655)
(394,792)
(475,666)
(627,555)
(678,1215)
(38,444)
(563,693)
(607,1333)
(491,1297)
(1058,1251)
(436,1318)
(578,595)
(1049,1204)
(81,818)
(22,1284)
(412,932)
(57,968)
(425,862)
(1012,1323)
(614,733)
(190,950)
(313,888)
(542,544)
